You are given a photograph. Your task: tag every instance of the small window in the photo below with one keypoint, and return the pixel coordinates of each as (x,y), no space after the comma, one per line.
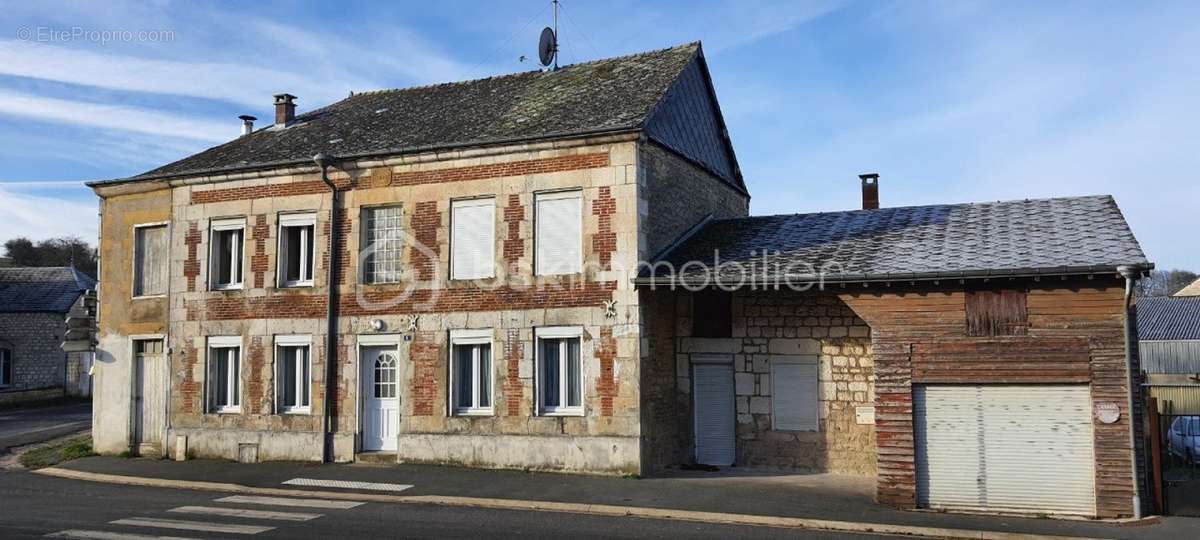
(225,265)
(471,372)
(385,376)
(5,367)
(296,250)
(473,239)
(382,245)
(224,374)
(292,374)
(559,237)
(712,314)
(996,313)
(150,260)
(560,371)
(795,393)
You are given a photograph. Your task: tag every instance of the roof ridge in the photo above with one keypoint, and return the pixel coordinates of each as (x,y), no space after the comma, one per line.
(909,207)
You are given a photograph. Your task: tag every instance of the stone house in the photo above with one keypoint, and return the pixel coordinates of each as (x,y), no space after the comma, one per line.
(34,306)
(520,272)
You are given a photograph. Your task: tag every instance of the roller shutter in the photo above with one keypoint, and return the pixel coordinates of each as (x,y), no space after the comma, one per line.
(714,409)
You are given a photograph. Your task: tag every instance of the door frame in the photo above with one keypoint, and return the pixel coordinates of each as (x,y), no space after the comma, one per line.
(374,340)
(712,358)
(133,388)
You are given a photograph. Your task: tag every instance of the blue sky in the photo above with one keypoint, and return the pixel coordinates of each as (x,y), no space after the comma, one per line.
(949,101)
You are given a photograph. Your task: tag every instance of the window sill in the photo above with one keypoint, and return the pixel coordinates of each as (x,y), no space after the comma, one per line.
(563,412)
(228,410)
(297,411)
(296,285)
(474,412)
(222,288)
(149,296)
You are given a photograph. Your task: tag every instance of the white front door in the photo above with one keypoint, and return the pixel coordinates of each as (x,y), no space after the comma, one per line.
(381,398)
(712,392)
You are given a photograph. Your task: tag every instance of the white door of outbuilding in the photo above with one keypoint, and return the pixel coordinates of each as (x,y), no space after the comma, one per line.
(380,398)
(1022,448)
(149,396)
(714,408)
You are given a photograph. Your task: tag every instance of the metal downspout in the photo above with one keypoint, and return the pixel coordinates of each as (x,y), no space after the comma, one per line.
(1131,275)
(324,161)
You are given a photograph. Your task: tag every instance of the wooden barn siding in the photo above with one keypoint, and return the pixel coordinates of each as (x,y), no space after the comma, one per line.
(1074,336)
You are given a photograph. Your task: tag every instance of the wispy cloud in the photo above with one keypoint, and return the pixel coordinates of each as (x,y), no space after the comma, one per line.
(37,217)
(116,117)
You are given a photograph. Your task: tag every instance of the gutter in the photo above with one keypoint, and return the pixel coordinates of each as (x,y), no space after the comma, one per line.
(893,278)
(324,161)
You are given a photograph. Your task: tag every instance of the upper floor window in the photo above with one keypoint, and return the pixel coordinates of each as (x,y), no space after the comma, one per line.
(226,252)
(382,244)
(5,367)
(559,237)
(471,371)
(150,260)
(560,371)
(224,374)
(997,313)
(472,238)
(295,259)
(293,373)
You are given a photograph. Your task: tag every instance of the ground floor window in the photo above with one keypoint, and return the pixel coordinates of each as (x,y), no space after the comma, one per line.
(795,389)
(560,370)
(293,374)
(471,372)
(5,367)
(224,374)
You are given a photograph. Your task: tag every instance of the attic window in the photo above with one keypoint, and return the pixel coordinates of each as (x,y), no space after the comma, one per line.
(997,313)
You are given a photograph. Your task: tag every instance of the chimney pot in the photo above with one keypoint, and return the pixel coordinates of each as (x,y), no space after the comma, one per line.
(870,190)
(247,123)
(285,109)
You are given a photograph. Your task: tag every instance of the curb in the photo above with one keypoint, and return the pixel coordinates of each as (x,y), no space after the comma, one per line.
(549,506)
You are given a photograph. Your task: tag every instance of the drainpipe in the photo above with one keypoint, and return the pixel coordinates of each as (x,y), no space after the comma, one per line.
(324,161)
(1131,275)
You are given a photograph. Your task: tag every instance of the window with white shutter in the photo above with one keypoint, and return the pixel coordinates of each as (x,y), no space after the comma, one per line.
(473,239)
(559,235)
(795,393)
(150,260)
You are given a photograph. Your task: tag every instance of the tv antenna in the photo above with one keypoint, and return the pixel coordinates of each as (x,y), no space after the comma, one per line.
(548,44)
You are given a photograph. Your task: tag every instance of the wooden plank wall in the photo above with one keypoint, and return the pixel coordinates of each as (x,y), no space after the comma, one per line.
(1075,335)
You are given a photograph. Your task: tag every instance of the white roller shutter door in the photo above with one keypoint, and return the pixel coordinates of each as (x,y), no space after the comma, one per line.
(559,236)
(795,402)
(714,410)
(473,239)
(1024,448)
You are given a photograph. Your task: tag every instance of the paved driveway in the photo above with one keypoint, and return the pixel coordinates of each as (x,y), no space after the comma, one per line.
(26,426)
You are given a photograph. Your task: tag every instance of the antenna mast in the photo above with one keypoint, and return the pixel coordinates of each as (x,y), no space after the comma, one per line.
(555,34)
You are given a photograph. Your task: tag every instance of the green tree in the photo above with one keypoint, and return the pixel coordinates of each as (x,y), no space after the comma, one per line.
(65,251)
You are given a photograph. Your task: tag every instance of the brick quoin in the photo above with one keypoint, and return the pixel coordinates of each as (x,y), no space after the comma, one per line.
(382,178)
(606,385)
(191,265)
(425,222)
(258,262)
(514,392)
(312,306)
(514,246)
(604,242)
(255,360)
(424,353)
(189,387)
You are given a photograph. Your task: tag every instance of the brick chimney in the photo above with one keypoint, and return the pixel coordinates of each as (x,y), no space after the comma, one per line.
(285,109)
(870,190)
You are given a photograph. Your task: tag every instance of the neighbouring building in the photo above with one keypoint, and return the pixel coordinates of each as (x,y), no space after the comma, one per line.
(35,304)
(1169,345)
(511,284)
(1193,289)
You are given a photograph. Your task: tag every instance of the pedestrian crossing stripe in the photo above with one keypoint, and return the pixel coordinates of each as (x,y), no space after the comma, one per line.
(289,501)
(244,513)
(200,526)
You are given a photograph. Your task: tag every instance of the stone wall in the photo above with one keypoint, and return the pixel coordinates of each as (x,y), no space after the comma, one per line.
(677,196)
(771,323)
(34,340)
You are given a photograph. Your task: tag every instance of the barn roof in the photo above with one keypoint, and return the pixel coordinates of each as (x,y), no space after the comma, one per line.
(1168,318)
(48,289)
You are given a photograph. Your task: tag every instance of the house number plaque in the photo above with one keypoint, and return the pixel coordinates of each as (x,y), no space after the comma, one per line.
(1107,412)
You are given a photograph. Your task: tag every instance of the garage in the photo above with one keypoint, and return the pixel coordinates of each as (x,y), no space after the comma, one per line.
(1019,448)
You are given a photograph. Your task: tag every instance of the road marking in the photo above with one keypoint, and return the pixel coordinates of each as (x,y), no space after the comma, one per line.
(191,525)
(105,535)
(244,513)
(284,501)
(346,484)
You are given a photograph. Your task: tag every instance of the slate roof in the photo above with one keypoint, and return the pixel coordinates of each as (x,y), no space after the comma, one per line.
(1192,289)
(47,290)
(1168,318)
(1025,237)
(604,96)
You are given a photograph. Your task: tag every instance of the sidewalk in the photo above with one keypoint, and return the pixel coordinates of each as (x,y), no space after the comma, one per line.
(759,493)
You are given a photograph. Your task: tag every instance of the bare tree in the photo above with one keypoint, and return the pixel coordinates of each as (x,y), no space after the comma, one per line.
(1165,282)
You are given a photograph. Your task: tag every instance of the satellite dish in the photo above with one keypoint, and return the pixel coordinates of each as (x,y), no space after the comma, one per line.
(547,47)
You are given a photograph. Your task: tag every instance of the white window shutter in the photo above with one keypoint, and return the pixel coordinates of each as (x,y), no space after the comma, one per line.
(559,237)
(794,396)
(473,239)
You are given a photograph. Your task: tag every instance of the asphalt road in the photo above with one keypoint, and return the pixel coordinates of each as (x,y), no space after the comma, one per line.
(35,506)
(19,427)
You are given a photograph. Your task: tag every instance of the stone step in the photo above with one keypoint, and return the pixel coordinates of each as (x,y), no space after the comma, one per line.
(387,458)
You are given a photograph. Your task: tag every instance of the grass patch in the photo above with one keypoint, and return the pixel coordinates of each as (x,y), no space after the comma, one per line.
(49,456)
